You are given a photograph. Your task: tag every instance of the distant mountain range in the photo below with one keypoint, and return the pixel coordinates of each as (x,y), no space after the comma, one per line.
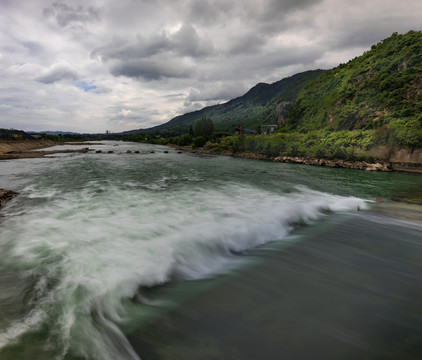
(53,132)
(264,103)
(370,91)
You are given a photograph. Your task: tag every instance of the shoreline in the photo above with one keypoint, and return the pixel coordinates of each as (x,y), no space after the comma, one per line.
(11,150)
(23,146)
(346,164)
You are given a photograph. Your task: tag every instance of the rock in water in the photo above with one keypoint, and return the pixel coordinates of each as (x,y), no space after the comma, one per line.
(6,195)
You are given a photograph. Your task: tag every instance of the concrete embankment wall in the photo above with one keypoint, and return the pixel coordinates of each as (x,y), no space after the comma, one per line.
(400,159)
(406,160)
(9,146)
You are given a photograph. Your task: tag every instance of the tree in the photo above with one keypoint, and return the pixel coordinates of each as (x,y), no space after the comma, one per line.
(199,142)
(204,127)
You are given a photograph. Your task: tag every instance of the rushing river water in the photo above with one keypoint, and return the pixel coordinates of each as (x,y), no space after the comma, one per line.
(89,232)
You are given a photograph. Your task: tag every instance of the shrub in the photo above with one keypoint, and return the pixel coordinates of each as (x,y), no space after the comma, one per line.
(186,140)
(199,141)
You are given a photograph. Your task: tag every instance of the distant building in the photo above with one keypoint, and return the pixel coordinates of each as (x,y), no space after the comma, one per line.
(238,130)
(267,129)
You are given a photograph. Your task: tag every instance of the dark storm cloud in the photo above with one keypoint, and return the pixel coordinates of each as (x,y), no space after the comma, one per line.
(150,69)
(57,73)
(67,15)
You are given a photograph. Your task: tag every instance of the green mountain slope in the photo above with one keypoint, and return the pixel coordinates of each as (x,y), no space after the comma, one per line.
(380,89)
(257,106)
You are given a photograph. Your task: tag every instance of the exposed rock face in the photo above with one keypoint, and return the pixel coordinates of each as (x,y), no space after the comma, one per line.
(6,195)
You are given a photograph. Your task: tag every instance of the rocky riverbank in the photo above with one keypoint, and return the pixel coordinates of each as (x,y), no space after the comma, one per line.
(358,165)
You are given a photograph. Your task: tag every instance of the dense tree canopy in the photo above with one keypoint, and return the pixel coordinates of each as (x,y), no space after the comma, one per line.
(204,127)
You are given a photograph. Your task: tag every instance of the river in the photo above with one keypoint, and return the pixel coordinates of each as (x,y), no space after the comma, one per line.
(103,254)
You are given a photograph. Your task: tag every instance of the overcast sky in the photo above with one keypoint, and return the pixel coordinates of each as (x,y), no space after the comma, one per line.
(92,66)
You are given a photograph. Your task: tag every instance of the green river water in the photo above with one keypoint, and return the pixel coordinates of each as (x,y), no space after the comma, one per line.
(179,256)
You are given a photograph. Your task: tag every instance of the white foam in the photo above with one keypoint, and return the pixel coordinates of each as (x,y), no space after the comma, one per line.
(89,250)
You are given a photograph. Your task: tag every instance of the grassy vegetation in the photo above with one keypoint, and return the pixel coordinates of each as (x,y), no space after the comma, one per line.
(346,145)
(380,90)
(374,99)
(257,106)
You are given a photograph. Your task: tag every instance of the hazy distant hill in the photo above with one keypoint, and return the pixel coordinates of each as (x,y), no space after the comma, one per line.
(382,87)
(264,103)
(54,132)
(13,135)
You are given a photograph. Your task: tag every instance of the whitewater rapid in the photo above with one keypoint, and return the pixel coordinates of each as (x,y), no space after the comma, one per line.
(82,249)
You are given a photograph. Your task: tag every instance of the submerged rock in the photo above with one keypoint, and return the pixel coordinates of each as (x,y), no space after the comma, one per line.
(6,195)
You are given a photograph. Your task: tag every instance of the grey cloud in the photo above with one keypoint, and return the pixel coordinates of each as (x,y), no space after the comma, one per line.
(123,50)
(358,33)
(246,43)
(208,12)
(273,16)
(277,9)
(203,12)
(150,69)
(225,92)
(57,73)
(189,107)
(33,47)
(66,15)
(185,42)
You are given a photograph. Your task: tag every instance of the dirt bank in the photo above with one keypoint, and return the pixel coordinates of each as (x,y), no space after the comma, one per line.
(10,150)
(24,146)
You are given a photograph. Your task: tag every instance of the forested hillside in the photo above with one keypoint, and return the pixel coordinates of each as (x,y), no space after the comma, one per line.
(257,106)
(382,89)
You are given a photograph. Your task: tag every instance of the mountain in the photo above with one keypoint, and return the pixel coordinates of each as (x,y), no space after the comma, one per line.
(380,89)
(264,103)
